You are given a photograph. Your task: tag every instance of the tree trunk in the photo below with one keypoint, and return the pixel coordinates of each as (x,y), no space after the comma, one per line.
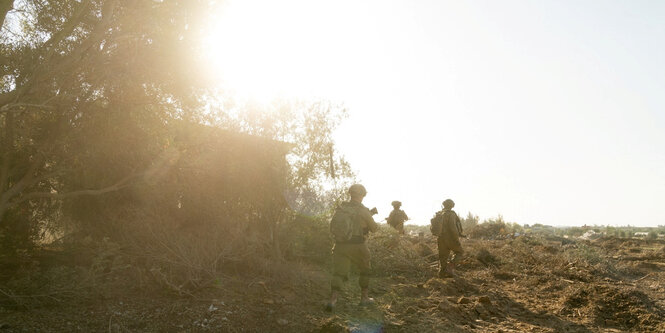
(276,217)
(8,148)
(276,248)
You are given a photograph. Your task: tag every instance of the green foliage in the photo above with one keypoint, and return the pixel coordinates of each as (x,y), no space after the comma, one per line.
(83,82)
(101,105)
(319,175)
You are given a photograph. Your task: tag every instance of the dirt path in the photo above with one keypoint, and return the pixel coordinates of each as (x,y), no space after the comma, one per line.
(539,287)
(503,286)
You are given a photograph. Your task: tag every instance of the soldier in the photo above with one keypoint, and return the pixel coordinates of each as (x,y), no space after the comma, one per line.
(397,217)
(354,250)
(448,239)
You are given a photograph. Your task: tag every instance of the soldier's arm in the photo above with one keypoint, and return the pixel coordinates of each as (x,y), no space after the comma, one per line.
(405,217)
(368,220)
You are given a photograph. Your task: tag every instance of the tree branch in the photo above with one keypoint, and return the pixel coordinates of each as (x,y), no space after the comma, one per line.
(123,183)
(10,106)
(69,26)
(6,98)
(21,184)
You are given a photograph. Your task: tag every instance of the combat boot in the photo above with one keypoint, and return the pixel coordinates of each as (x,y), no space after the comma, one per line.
(330,306)
(443,273)
(450,269)
(364,298)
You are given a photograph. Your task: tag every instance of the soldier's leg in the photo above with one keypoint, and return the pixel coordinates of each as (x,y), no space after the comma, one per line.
(444,252)
(456,258)
(361,259)
(365,268)
(341,267)
(458,252)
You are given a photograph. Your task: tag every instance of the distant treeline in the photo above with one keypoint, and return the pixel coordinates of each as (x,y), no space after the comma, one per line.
(498,227)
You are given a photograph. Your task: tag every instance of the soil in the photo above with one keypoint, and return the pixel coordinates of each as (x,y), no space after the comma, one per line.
(527,284)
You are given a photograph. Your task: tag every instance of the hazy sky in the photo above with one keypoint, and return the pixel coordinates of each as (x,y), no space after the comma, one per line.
(543,111)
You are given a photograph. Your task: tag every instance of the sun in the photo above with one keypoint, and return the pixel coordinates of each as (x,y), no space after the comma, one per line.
(264,49)
(259,50)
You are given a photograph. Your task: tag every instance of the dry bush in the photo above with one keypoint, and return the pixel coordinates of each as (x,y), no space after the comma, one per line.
(609,306)
(590,260)
(519,255)
(306,239)
(209,205)
(487,258)
(34,286)
(182,258)
(392,253)
(76,272)
(487,230)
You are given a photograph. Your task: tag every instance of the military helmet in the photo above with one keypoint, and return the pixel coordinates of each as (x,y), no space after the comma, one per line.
(357,189)
(448,203)
(396,203)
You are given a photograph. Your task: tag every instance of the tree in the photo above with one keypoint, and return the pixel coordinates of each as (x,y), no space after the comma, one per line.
(90,91)
(81,81)
(319,176)
(469,221)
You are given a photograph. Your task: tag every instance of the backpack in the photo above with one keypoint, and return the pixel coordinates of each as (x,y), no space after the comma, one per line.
(436,224)
(342,223)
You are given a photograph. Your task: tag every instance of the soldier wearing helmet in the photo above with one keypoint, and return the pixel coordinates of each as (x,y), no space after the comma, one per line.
(357,190)
(353,251)
(397,217)
(448,239)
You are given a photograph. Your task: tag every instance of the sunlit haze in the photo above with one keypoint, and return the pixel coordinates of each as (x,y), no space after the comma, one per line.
(542,111)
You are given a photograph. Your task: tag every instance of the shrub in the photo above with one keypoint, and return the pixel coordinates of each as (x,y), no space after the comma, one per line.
(392,253)
(306,238)
(489,229)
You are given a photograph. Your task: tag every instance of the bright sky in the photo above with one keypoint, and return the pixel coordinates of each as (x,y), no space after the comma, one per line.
(542,111)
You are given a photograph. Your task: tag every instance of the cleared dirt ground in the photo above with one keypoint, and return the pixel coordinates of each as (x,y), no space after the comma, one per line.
(526,284)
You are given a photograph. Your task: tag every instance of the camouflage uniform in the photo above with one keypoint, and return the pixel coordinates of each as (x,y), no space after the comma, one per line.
(449,240)
(355,250)
(396,219)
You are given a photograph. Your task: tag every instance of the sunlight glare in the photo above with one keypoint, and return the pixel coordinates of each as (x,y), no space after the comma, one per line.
(262,50)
